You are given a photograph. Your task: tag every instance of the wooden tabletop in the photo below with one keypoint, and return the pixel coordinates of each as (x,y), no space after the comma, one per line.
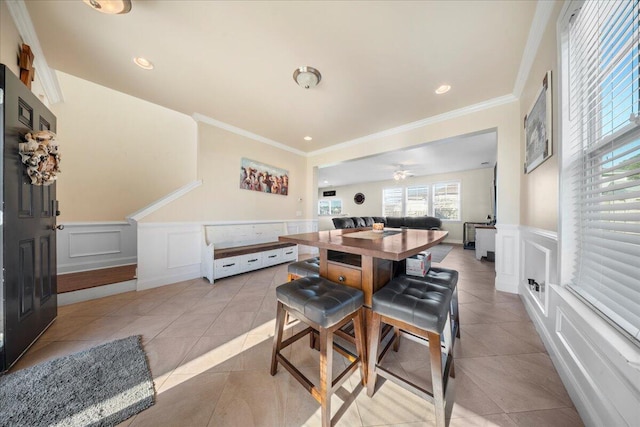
(405,243)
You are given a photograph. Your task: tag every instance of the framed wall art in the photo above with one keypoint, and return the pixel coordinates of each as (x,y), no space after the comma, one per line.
(537,128)
(256,176)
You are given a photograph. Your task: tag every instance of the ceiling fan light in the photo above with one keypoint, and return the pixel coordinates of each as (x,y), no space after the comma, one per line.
(111,7)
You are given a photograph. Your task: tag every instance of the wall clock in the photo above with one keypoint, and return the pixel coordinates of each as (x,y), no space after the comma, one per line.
(358,198)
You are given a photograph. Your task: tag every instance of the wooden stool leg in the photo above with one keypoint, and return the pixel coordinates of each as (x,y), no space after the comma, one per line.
(376,324)
(277,338)
(435,353)
(326,375)
(396,339)
(361,346)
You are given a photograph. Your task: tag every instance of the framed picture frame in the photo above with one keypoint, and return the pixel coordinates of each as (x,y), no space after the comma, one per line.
(538,128)
(256,176)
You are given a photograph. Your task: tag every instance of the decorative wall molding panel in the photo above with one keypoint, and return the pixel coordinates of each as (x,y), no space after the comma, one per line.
(599,367)
(168,253)
(507,258)
(84,246)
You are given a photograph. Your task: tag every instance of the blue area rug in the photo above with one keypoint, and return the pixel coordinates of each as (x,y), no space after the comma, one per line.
(101,386)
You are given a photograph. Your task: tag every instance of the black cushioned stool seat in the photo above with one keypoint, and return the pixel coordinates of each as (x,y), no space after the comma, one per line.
(305,268)
(325,307)
(448,278)
(421,309)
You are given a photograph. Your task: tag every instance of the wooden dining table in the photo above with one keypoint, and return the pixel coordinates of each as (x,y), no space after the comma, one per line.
(363,258)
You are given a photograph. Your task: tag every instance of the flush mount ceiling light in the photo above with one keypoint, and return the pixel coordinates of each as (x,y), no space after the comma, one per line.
(307,138)
(143,63)
(443,89)
(307,77)
(111,7)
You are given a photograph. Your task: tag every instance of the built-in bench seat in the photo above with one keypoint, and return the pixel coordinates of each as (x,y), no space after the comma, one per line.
(239,248)
(249,249)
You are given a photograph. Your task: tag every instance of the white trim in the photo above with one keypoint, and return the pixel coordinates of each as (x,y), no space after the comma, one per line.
(93,266)
(93,223)
(163,201)
(47,77)
(174,224)
(495,102)
(536,32)
(213,122)
(67,298)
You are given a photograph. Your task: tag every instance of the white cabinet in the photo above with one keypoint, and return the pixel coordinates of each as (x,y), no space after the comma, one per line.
(272,257)
(290,254)
(485,240)
(251,262)
(226,266)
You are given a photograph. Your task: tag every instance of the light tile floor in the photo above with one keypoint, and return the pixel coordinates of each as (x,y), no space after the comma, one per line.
(209,348)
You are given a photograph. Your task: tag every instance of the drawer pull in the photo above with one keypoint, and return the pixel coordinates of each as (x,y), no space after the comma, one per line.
(341,279)
(228,265)
(253,260)
(273,256)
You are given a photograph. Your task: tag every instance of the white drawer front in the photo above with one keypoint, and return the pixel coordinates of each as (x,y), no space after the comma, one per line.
(290,254)
(251,261)
(226,266)
(272,257)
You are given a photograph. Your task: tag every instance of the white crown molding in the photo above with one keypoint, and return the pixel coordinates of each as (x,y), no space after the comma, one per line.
(48,78)
(506,99)
(138,215)
(536,31)
(213,122)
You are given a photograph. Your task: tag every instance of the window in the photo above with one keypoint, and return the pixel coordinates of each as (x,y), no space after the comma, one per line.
(446,201)
(392,201)
(601,160)
(329,207)
(417,201)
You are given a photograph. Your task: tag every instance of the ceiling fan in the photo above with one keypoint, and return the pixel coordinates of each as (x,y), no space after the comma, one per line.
(400,173)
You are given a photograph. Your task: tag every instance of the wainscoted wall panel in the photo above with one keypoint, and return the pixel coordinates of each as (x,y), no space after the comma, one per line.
(159,261)
(86,246)
(599,367)
(180,249)
(507,258)
(90,243)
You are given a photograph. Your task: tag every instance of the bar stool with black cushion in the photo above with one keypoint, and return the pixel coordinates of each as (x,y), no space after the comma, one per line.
(421,309)
(305,268)
(325,307)
(448,278)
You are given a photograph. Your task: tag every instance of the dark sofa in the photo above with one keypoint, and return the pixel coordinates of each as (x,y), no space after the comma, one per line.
(418,222)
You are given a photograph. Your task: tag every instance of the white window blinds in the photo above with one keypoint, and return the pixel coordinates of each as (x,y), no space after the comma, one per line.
(392,199)
(418,200)
(601,158)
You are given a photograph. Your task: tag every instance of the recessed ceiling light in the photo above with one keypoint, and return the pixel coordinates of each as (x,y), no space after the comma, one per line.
(443,89)
(307,138)
(326,182)
(143,63)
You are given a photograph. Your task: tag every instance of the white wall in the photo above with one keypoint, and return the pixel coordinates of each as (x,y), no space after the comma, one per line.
(475,186)
(119,153)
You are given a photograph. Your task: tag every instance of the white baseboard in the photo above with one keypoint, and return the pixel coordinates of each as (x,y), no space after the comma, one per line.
(97,292)
(168,280)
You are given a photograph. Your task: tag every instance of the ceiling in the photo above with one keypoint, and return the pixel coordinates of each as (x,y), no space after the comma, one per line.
(233,61)
(462,153)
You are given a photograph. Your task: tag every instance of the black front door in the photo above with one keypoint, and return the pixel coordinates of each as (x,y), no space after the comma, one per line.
(29,220)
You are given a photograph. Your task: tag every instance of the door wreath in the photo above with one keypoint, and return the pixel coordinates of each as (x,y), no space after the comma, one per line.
(41,154)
